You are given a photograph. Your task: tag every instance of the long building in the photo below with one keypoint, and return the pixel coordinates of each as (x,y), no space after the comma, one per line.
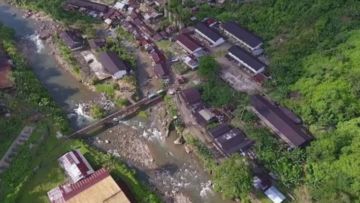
(188,43)
(90,6)
(247,60)
(230,140)
(209,34)
(285,126)
(243,36)
(99,187)
(114,65)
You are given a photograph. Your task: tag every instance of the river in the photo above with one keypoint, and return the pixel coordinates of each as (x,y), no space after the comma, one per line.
(177,171)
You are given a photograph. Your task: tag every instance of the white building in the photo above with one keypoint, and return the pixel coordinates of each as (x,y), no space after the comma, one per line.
(247,60)
(209,34)
(75,165)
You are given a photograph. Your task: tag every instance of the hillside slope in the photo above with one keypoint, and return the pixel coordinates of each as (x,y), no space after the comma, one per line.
(314,49)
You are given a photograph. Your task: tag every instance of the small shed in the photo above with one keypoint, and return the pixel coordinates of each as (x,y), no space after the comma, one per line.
(274,195)
(191,96)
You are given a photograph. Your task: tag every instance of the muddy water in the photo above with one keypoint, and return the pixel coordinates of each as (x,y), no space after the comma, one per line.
(176,171)
(65,89)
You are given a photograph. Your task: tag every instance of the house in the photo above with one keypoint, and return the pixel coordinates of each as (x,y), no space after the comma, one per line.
(112,16)
(113,65)
(191,96)
(245,59)
(243,36)
(96,44)
(157,56)
(189,44)
(72,39)
(204,116)
(209,34)
(100,9)
(274,195)
(98,187)
(281,121)
(75,165)
(230,140)
(191,62)
(161,71)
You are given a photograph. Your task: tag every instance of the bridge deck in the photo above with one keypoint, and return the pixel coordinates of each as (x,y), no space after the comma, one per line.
(121,113)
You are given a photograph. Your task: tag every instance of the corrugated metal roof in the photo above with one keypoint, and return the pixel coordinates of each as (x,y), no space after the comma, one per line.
(247,58)
(207,31)
(295,134)
(243,34)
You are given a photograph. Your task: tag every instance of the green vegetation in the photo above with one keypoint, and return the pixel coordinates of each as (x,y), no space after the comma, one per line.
(68,56)
(170,106)
(214,91)
(179,14)
(208,68)
(232,177)
(237,181)
(97,112)
(34,170)
(313,47)
(55,10)
(107,88)
(117,46)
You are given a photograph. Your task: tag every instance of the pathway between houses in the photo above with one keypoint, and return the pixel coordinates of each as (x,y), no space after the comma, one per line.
(11,152)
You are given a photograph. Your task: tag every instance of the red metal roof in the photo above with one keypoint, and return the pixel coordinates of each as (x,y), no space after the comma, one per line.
(84,184)
(158,56)
(190,43)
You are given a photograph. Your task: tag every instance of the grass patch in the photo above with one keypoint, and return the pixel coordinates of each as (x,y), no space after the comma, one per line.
(106,88)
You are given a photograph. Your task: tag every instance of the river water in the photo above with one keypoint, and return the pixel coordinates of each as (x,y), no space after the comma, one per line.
(177,171)
(66,90)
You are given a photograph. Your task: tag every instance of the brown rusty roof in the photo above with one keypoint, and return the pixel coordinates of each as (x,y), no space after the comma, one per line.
(191,96)
(112,63)
(189,42)
(295,134)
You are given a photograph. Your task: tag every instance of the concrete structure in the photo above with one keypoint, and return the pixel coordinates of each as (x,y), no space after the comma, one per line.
(209,34)
(246,38)
(274,195)
(247,60)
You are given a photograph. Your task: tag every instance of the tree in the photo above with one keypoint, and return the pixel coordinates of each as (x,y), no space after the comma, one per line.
(208,67)
(233,178)
(217,93)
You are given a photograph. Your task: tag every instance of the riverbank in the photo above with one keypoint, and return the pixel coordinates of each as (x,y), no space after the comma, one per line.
(24,179)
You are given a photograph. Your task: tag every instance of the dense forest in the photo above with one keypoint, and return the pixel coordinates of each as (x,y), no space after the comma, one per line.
(314,49)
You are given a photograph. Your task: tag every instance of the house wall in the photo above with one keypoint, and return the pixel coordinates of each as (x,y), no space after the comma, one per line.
(246,65)
(214,43)
(119,74)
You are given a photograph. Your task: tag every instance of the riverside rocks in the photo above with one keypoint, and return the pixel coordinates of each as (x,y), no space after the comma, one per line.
(124,141)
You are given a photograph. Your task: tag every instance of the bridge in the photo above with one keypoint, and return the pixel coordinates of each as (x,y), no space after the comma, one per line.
(122,113)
